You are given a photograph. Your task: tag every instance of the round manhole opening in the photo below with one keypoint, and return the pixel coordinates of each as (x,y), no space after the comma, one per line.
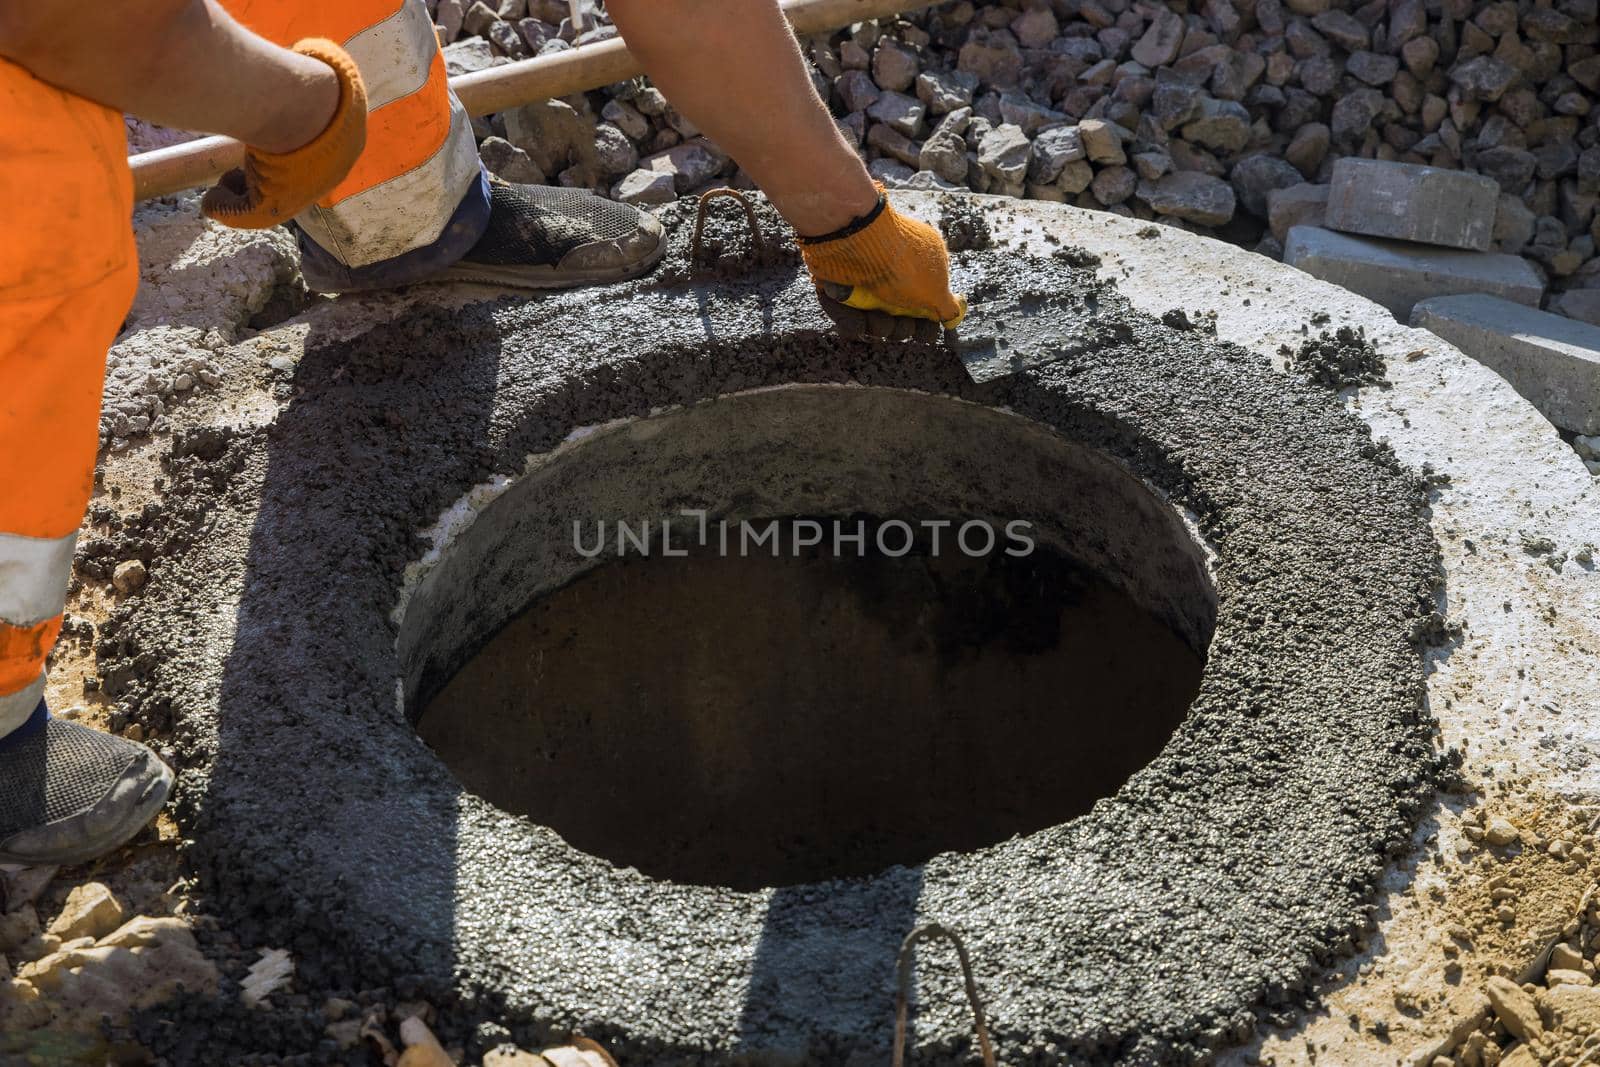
(911,659)
(808,711)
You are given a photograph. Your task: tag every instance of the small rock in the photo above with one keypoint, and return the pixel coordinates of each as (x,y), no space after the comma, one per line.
(1353,114)
(553,133)
(1075,177)
(535,34)
(506,39)
(1512,167)
(1255,176)
(141,964)
(1035,28)
(90,911)
(993,56)
(346,1034)
(1343,29)
(1004,153)
(513,1057)
(1223,125)
(894,66)
(1563,976)
(1484,77)
(336,1008)
(1113,185)
(901,113)
(1021,111)
(626,118)
(1513,224)
(1150,165)
(691,164)
(1053,149)
(129,576)
(1580,304)
(856,89)
(651,102)
(1309,148)
(1190,195)
(509,162)
(273,971)
(644,187)
(465,57)
(894,144)
(1372,68)
(479,18)
(1420,55)
(448,17)
(946,90)
(1160,43)
(1101,142)
(1573,1009)
(1174,103)
(1499,832)
(1514,1007)
(945,154)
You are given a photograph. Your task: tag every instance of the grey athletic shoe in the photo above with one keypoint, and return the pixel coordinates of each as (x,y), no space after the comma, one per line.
(543,237)
(69,794)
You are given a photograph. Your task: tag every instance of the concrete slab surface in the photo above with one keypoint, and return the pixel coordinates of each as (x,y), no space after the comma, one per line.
(1397,274)
(1552,360)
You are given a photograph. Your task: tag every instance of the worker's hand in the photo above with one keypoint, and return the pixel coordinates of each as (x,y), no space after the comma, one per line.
(885,275)
(274,187)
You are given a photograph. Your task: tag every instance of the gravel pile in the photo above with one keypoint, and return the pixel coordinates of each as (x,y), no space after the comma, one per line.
(1186,112)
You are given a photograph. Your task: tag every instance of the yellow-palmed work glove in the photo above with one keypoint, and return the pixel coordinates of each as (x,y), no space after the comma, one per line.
(274,187)
(885,275)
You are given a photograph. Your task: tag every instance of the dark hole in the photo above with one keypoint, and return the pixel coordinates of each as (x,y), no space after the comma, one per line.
(752,721)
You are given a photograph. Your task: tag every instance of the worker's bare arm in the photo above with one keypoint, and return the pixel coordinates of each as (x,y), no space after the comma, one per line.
(735,70)
(180,63)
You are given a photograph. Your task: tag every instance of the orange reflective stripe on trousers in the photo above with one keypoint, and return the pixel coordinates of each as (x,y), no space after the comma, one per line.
(67,276)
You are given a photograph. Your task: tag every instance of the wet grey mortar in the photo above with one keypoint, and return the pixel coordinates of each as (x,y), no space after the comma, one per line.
(1201,899)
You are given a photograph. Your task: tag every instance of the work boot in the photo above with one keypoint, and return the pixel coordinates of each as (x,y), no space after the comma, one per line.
(69,794)
(543,237)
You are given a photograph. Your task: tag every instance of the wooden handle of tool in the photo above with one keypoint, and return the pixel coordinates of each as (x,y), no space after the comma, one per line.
(198,163)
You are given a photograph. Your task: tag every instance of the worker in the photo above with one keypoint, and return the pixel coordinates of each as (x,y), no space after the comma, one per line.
(352,132)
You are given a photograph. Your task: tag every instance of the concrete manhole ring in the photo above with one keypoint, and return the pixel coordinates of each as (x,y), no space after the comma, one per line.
(1157,928)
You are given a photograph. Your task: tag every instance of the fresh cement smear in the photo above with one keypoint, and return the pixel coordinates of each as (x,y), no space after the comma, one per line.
(1201,897)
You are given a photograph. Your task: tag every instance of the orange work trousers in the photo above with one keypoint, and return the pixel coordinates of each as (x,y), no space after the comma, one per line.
(69,269)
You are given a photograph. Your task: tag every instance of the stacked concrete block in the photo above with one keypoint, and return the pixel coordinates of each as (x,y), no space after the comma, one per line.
(1399,274)
(1552,361)
(1429,205)
(1398,233)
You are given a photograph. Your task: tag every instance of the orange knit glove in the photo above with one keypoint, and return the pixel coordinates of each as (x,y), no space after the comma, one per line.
(885,275)
(273,187)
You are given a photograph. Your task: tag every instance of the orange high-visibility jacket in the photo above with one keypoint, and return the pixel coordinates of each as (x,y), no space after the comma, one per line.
(68,271)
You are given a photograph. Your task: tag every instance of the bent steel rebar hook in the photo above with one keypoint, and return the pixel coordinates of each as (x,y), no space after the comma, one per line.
(903,997)
(749,213)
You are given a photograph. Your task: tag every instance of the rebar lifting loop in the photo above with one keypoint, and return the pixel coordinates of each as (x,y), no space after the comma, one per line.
(903,997)
(749,213)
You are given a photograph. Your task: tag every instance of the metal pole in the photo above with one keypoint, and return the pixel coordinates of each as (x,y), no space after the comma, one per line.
(576,70)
